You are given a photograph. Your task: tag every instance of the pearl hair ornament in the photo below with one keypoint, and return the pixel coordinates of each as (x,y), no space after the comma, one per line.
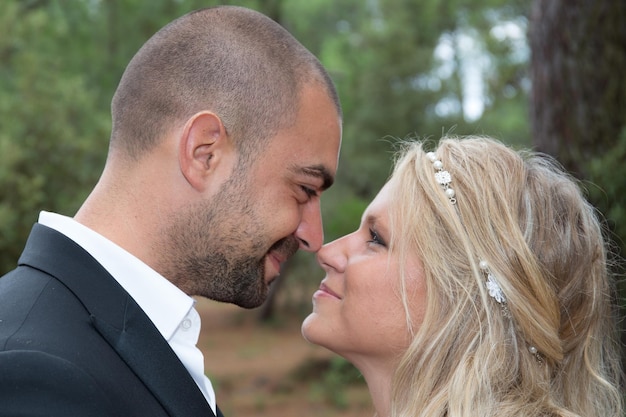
(442,177)
(538,357)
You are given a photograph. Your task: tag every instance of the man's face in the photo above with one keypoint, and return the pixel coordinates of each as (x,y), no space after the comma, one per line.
(230,248)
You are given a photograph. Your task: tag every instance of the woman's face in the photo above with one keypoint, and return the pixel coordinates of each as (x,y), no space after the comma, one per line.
(358,311)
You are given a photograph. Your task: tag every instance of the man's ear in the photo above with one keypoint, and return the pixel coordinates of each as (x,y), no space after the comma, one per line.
(203,146)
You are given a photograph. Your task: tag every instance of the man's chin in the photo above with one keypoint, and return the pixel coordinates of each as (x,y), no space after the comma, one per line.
(251,303)
(247,303)
(254,299)
(246,288)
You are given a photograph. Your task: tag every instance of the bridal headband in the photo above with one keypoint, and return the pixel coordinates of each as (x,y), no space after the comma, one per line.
(444,179)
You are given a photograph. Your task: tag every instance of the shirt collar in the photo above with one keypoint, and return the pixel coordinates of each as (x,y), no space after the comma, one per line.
(164,303)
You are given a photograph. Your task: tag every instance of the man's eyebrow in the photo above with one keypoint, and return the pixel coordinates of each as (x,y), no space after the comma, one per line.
(318,171)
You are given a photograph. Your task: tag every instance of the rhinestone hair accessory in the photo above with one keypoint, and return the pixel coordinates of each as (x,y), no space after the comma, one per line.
(442,177)
(492,285)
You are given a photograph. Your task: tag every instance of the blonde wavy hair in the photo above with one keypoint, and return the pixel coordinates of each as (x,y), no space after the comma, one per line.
(527,218)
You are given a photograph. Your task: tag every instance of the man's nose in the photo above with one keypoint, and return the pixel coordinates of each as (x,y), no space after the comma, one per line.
(310,232)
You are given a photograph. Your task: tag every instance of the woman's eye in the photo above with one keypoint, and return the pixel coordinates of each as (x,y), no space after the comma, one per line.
(375,238)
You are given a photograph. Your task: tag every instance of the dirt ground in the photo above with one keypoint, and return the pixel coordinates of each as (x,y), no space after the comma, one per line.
(257,370)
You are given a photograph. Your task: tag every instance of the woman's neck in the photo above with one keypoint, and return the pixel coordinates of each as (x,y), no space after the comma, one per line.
(378,379)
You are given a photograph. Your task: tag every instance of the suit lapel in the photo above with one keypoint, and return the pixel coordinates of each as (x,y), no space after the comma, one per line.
(157,366)
(119,319)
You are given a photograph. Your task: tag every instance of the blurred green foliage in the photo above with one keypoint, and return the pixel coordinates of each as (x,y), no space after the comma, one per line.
(610,197)
(402,67)
(330,379)
(607,191)
(61,61)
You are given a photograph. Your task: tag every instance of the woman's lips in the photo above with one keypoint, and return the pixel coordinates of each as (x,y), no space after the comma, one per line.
(324,290)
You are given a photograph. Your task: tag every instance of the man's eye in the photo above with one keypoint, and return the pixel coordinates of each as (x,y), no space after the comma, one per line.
(375,238)
(310,192)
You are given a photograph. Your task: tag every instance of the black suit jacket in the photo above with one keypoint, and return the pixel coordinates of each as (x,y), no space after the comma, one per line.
(74,343)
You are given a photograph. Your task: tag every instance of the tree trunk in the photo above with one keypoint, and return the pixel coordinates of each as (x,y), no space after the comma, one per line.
(578,104)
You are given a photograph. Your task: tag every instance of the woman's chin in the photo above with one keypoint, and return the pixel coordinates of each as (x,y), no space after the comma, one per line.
(314,332)
(306,329)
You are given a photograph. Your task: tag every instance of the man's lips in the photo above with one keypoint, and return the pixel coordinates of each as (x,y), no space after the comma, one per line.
(276,260)
(284,249)
(278,257)
(281,251)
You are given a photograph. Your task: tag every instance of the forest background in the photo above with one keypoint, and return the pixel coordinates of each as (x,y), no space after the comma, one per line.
(547,74)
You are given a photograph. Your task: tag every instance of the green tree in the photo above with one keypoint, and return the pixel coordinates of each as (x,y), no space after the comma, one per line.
(63,59)
(52,131)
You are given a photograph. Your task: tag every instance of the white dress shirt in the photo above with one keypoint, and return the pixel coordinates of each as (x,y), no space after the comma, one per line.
(171,310)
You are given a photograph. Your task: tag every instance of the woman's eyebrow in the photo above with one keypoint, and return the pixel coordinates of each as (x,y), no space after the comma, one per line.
(373,220)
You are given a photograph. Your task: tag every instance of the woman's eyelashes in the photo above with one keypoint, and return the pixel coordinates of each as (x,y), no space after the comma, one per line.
(375,238)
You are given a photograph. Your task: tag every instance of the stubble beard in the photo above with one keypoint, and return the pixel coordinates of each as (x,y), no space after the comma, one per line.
(215,250)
